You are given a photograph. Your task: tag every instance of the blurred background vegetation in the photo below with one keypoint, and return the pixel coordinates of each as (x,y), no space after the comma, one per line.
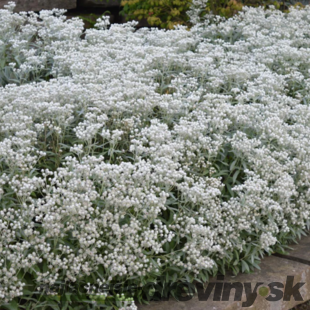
(168,13)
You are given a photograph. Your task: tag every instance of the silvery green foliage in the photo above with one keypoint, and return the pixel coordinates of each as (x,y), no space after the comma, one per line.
(28,40)
(154,152)
(196,8)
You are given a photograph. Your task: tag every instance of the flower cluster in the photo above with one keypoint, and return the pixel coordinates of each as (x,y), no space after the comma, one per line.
(195,10)
(151,152)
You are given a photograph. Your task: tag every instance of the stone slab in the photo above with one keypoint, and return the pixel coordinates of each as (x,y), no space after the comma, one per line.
(98,3)
(273,269)
(38,5)
(301,250)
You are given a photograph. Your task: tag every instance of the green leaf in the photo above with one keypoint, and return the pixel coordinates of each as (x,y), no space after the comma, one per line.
(65,305)
(230,190)
(13,305)
(235,176)
(245,266)
(223,172)
(232,166)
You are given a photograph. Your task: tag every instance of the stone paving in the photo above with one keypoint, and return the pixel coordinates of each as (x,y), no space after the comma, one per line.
(37,5)
(273,269)
(98,3)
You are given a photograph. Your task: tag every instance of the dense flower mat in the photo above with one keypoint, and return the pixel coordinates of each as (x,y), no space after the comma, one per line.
(137,156)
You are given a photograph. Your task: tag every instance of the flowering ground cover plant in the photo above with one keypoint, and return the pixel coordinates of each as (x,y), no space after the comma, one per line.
(151,155)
